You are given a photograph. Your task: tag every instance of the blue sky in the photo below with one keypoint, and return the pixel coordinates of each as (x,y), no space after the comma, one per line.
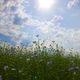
(21,20)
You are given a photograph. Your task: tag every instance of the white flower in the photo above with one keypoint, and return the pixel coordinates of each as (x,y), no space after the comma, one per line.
(13,69)
(74,73)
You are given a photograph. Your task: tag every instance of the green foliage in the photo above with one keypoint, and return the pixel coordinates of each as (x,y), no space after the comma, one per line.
(42,64)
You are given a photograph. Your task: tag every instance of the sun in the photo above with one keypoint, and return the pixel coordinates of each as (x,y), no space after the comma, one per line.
(45,4)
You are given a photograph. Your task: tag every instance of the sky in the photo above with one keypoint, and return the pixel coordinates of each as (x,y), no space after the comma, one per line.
(52,20)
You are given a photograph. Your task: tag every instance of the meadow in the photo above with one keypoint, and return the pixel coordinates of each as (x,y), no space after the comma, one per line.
(21,63)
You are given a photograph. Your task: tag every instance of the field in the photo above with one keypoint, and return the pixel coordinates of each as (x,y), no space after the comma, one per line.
(19,63)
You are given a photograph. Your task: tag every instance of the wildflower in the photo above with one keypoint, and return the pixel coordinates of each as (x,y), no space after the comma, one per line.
(35,77)
(72,61)
(49,62)
(13,69)
(74,73)
(70,69)
(5,67)
(28,59)
(77,67)
(20,71)
(0,77)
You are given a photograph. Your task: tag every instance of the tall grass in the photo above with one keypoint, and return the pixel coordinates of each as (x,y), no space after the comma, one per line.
(40,63)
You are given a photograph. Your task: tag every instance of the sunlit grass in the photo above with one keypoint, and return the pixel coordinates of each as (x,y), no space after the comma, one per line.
(41,63)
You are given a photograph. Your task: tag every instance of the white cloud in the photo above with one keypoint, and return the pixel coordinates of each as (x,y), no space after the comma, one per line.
(72,3)
(51,29)
(8,10)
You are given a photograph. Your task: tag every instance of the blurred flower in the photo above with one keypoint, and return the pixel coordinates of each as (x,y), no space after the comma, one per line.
(35,77)
(74,73)
(49,62)
(0,77)
(20,71)
(72,61)
(6,67)
(13,69)
(70,69)
(28,59)
(77,67)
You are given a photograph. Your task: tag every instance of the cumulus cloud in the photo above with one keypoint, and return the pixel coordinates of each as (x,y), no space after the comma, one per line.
(10,20)
(67,37)
(13,17)
(72,3)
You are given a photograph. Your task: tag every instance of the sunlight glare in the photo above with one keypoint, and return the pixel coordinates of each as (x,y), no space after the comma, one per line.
(45,4)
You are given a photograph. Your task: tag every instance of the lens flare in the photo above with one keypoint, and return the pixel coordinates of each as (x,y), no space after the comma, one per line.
(45,4)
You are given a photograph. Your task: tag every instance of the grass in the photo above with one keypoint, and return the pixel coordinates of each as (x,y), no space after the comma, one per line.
(42,64)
